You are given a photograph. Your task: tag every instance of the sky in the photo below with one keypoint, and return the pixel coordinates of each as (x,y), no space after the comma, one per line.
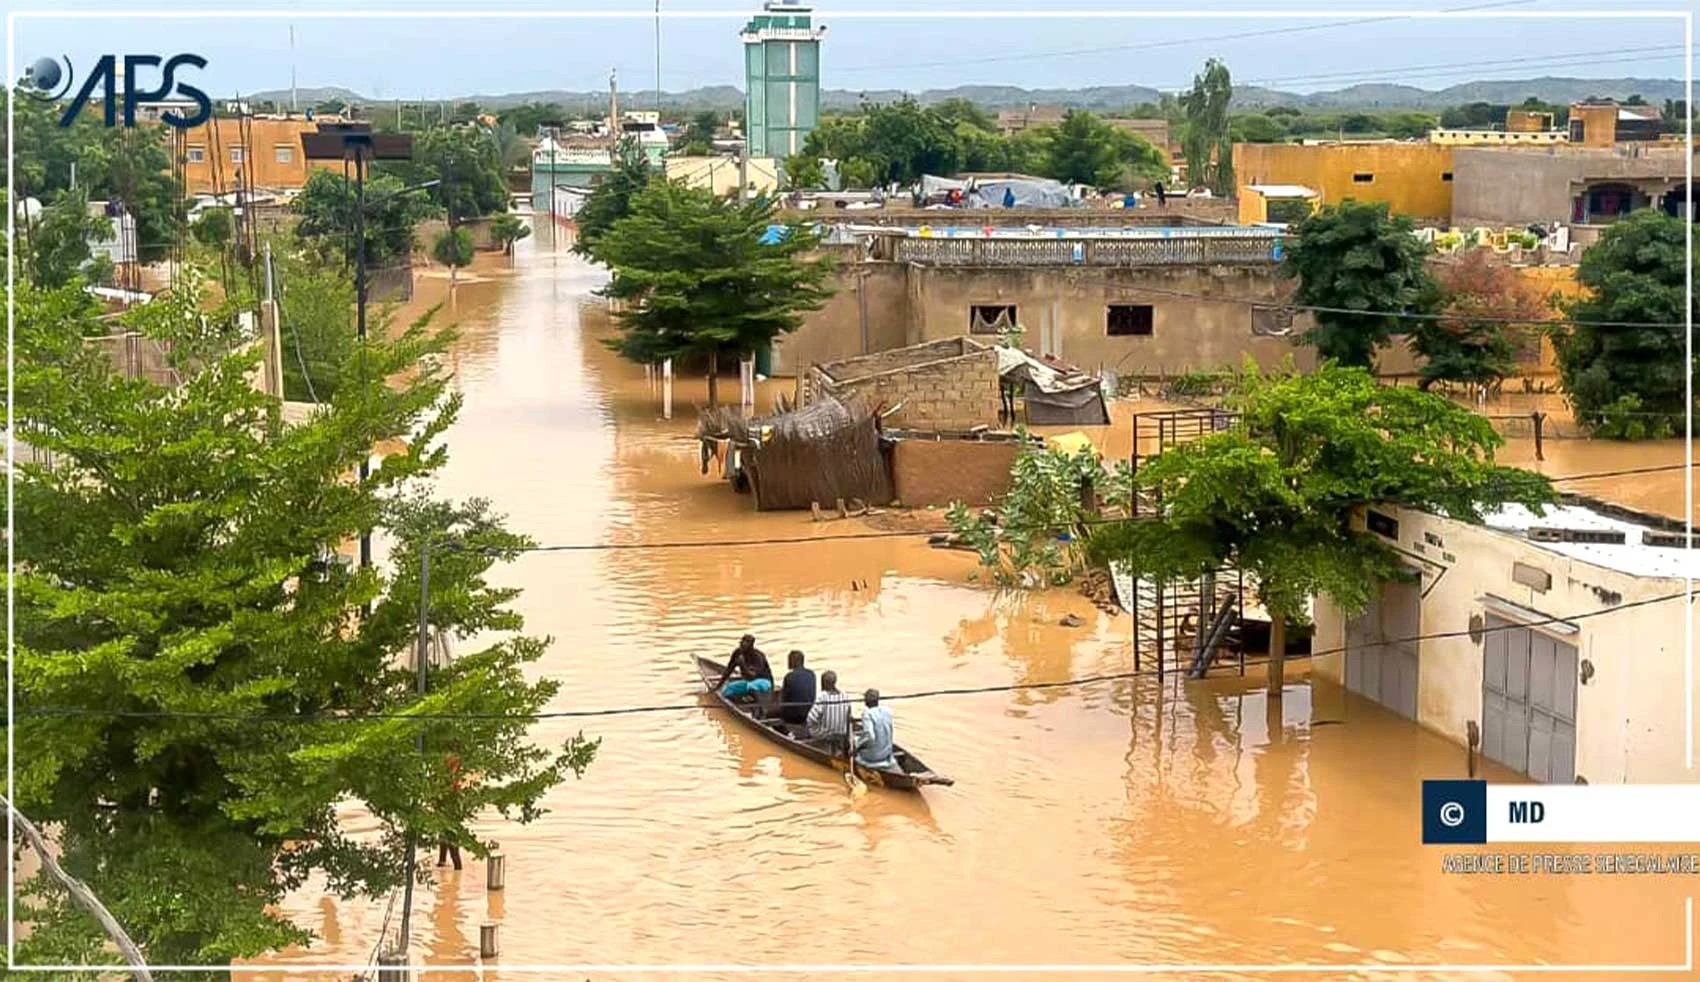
(404,54)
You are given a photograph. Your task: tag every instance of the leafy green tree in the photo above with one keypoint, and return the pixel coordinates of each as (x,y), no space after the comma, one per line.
(61,237)
(1628,382)
(905,140)
(1477,340)
(802,171)
(1256,128)
(1364,267)
(528,118)
(1083,151)
(1275,494)
(127,165)
(511,149)
(1033,539)
(316,327)
(453,248)
(1206,139)
(465,163)
(1473,116)
(327,209)
(214,228)
(508,228)
(58,240)
(699,135)
(611,199)
(958,111)
(704,276)
(197,689)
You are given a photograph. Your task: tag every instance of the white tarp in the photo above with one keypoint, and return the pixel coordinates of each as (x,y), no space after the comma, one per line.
(1015,364)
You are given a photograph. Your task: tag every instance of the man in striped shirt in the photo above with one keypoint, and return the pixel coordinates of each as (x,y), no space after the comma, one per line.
(829,717)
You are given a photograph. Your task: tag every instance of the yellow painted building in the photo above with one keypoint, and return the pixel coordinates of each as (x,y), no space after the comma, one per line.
(1413,179)
(720,174)
(262,153)
(1498,138)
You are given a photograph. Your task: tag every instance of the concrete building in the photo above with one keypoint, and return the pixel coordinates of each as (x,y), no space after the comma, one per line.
(781,77)
(1608,123)
(1279,203)
(1574,184)
(1498,138)
(1412,178)
(719,174)
(1549,666)
(1138,301)
(1155,131)
(945,385)
(257,152)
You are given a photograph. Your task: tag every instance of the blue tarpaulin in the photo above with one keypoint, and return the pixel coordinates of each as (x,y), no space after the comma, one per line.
(775,234)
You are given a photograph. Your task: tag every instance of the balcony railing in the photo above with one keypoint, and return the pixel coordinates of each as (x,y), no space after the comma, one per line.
(1250,247)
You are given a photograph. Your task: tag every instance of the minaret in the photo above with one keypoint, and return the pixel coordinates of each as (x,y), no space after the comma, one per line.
(781,78)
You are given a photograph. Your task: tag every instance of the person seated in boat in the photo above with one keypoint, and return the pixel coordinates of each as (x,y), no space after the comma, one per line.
(797,691)
(829,717)
(874,746)
(754,675)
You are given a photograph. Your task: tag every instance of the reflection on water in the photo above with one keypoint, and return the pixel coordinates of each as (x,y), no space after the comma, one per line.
(1125,822)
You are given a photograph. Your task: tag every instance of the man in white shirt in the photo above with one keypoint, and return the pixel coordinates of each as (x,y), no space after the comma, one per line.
(829,717)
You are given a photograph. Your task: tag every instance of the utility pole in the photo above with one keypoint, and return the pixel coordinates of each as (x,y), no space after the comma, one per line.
(743,170)
(357,142)
(293,105)
(420,663)
(360,314)
(657,62)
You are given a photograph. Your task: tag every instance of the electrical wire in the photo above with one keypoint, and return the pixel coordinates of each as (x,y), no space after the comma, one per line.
(853,536)
(1153,45)
(70,711)
(1321,309)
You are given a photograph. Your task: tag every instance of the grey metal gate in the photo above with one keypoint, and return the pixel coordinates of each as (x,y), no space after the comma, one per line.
(1381,661)
(1529,701)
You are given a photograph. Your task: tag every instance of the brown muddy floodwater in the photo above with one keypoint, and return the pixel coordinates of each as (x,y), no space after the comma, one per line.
(1115,823)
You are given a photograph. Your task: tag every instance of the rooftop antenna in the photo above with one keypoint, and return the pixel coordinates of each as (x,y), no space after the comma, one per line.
(293,105)
(658,62)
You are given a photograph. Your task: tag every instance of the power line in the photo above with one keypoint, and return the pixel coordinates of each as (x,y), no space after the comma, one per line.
(67,711)
(852,536)
(1392,314)
(1152,45)
(1576,57)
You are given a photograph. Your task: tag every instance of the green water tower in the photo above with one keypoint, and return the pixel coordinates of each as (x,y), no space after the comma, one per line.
(781,78)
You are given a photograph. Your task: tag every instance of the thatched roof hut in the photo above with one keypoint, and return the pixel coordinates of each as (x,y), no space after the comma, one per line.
(821,453)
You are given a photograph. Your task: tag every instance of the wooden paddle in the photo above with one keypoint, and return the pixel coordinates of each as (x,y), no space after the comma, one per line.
(851,781)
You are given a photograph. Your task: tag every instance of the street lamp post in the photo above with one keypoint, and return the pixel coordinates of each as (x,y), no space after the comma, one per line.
(357,143)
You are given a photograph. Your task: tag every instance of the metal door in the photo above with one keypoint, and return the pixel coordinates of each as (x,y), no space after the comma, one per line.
(1529,701)
(1381,661)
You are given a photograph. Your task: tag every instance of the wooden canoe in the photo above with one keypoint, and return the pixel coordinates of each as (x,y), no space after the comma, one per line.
(913,775)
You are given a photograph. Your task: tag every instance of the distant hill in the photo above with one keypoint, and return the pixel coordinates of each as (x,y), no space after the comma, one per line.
(1108,97)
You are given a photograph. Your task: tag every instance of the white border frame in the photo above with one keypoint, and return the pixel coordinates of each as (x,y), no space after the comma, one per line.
(1685,15)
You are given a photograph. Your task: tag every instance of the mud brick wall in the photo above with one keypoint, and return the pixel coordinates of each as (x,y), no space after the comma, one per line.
(928,472)
(950,395)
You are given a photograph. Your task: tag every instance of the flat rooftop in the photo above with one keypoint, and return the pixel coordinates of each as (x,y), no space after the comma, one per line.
(1634,556)
(946,231)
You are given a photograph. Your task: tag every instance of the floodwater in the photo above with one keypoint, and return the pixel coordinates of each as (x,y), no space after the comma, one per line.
(1113,823)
